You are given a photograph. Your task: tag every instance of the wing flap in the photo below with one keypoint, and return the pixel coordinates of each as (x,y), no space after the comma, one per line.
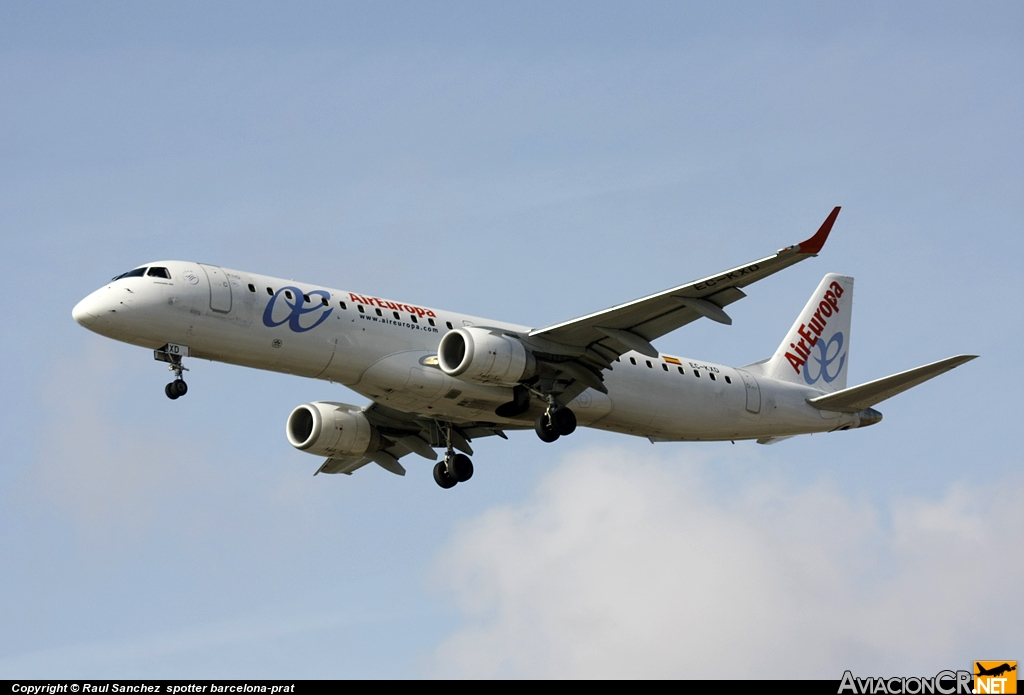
(857,398)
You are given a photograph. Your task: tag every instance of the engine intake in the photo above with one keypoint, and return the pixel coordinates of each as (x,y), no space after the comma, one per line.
(484,356)
(331,429)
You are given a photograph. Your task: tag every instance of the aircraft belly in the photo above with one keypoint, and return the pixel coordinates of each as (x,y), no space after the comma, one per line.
(361,346)
(590,407)
(674,406)
(403,381)
(693,400)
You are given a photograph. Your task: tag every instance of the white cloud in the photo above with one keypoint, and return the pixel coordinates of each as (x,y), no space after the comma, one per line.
(625,568)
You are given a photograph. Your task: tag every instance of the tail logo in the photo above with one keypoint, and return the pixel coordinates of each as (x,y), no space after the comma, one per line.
(825,357)
(809,336)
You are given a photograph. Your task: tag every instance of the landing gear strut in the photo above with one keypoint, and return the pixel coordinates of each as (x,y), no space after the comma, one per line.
(555,422)
(172,354)
(456,468)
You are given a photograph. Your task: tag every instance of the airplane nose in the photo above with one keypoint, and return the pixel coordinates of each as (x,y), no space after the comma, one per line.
(81,314)
(87,311)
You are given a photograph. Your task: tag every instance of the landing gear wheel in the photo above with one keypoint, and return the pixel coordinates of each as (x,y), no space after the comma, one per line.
(563,421)
(176,389)
(544,429)
(172,354)
(442,478)
(460,468)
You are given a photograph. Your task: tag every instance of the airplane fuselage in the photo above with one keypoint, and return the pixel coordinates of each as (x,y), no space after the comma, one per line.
(387,351)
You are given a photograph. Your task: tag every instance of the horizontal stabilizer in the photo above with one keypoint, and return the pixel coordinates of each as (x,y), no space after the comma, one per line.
(858,398)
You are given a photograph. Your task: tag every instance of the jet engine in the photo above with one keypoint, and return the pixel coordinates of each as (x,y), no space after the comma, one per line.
(485,356)
(331,429)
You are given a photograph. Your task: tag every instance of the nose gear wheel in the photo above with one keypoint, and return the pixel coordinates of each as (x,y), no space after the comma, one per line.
(176,389)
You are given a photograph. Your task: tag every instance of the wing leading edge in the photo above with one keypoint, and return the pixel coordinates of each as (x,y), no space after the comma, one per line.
(633,325)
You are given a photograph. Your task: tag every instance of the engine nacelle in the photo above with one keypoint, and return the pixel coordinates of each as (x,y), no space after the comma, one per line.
(331,429)
(486,357)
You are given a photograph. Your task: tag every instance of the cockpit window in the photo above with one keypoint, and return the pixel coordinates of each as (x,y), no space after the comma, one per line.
(134,273)
(159,273)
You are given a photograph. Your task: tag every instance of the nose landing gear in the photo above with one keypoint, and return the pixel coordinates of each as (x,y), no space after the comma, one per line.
(176,389)
(172,354)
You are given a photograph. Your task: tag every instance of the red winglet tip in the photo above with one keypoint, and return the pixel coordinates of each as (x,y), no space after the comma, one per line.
(814,244)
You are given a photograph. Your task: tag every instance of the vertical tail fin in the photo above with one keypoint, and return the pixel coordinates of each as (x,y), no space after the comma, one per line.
(815,352)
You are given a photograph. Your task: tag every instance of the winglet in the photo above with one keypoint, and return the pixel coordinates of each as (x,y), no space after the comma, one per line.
(814,244)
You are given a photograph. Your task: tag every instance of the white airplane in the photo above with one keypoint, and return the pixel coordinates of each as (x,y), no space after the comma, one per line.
(439,379)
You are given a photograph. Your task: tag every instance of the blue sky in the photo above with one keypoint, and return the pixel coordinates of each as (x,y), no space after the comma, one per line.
(529,162)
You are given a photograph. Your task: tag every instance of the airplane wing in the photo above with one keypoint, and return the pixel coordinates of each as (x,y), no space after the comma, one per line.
(575,352)
(404,434)
(603,336)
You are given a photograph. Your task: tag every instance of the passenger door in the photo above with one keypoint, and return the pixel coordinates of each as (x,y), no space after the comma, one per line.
(220,289)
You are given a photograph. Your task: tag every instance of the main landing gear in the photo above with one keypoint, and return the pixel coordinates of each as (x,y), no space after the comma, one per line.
(555,422)
(455,469)
(172,354)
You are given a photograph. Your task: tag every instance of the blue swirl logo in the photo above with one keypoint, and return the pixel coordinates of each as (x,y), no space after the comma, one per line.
(825,358)
(297,309)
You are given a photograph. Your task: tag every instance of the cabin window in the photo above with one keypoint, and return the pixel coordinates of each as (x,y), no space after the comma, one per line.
(728,380)
(681,371)
(649,365)
(158,272)
(305,298)
(252,287)
(343,305)
(448,323)
(665,367)
(632,360)
(378,312)
(712,375)
(413,317)
(430,321)
(397,317)
(696,373)
(323,300)
(288,294)
(361,309)
(270,292)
